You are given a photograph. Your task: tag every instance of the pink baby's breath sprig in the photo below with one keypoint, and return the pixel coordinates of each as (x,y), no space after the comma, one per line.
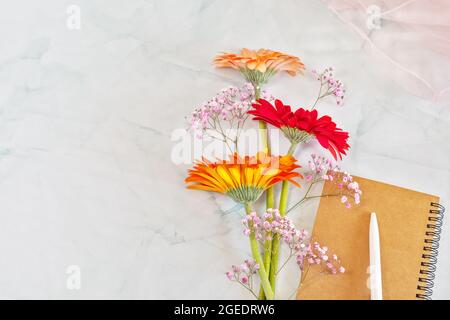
(272,223)
(243,274)
(323,169)
(315,254)
(329,86)
(223,117)
(298,241)
(326,169)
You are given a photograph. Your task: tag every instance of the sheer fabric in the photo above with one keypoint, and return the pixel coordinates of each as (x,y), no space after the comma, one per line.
(409,38)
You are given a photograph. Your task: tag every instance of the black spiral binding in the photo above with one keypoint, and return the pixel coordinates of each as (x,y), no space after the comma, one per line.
(432,237)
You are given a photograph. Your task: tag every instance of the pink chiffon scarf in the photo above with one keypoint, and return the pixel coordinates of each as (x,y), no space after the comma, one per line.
(409,38)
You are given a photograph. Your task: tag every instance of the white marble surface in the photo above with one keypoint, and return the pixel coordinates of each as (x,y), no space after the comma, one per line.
(86,117)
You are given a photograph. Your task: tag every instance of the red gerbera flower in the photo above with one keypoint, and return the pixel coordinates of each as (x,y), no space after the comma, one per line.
(302,125)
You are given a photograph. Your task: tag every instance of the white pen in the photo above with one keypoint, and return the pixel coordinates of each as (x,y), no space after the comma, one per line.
(376,289)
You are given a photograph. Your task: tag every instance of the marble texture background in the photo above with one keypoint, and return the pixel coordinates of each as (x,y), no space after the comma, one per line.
(86,118)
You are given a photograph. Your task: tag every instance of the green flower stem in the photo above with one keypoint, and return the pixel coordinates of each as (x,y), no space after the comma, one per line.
(264,277)
(266,147)
(267,261)
(269,193)
(276,239)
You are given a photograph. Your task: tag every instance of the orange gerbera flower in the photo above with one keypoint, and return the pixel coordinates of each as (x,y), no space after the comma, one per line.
(243,179)
(258,66)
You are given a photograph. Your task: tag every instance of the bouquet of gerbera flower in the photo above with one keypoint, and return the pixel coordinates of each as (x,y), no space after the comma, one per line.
(246,178)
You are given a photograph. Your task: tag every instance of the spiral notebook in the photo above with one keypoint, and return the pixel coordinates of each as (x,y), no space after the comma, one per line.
(409,223)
